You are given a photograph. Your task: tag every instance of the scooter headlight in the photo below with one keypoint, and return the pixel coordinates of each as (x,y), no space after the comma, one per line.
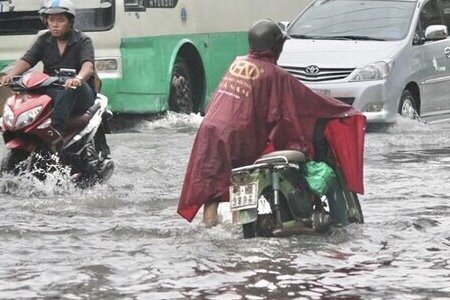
(28,117)
(8,116)
(376,71)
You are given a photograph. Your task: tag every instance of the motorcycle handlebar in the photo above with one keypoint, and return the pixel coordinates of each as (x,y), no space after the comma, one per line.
(60,78)
(17,85)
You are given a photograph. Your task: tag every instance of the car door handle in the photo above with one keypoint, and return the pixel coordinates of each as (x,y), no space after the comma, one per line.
(447,52)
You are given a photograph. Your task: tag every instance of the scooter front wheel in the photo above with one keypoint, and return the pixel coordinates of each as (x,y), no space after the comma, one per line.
(13,162)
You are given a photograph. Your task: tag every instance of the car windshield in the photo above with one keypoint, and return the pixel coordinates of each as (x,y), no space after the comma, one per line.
(21,16)
(354,20)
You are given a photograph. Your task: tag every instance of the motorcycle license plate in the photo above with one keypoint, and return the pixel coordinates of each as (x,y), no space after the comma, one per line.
(243,196)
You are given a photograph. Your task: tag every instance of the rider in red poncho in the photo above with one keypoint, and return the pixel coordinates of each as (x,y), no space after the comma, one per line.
(258,104)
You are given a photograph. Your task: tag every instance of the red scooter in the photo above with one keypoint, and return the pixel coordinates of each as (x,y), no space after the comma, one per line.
(33,144)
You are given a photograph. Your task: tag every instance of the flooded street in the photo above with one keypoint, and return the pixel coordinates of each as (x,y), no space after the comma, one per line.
(125,240)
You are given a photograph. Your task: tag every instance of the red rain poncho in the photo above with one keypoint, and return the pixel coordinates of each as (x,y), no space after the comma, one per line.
(258,103)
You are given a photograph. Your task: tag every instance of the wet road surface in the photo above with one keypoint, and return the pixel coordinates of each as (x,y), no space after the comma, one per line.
(124,240)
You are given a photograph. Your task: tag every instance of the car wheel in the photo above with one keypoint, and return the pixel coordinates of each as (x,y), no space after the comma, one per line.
(181,96)
(408,105)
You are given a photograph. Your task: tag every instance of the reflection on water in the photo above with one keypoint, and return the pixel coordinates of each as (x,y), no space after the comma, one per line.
(124,240)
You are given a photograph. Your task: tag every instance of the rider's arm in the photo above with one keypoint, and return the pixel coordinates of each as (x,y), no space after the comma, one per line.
(86,71)
(16,69)
(35,52)
(87,60)
(19,67)
(29,60)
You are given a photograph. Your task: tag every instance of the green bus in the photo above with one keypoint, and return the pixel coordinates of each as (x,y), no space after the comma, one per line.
(152,55)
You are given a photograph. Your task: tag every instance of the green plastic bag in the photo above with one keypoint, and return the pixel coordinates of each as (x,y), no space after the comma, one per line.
(319,176)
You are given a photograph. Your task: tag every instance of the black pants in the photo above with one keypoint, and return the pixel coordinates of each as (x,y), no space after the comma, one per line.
(67,102)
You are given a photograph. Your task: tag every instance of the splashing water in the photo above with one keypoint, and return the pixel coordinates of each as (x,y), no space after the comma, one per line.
(173,120)
(27,183)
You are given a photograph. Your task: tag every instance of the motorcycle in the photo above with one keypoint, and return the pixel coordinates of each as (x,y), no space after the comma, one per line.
(271,197)
(32,143)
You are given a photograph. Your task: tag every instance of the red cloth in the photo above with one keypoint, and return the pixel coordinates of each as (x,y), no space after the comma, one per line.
(346,139)
(256,102)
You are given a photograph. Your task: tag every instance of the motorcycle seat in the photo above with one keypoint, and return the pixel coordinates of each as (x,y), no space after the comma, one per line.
(80,121)
(292,156)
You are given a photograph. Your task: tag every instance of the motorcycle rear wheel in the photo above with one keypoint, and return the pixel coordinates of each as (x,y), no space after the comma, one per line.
(262,227)
(354,211)
(249,230)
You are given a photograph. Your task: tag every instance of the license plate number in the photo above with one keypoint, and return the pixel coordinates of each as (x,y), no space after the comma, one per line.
(243,196)
(322,92)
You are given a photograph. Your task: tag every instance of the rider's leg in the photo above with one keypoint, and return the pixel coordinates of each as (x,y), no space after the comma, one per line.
(85,98)
(66,101)
(210,214)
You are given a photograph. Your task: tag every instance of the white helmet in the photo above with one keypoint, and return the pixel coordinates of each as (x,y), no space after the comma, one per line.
(56,7)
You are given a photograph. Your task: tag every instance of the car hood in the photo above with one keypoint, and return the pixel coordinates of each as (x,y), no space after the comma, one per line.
(336,53)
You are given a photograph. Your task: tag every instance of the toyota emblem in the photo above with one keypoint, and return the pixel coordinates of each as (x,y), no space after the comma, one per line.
(312,70)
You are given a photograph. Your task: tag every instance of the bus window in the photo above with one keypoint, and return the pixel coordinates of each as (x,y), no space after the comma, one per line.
(21,17)
(94,15)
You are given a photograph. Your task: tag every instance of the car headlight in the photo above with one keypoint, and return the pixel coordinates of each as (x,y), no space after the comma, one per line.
(8,116)
(28,117)
(375,71)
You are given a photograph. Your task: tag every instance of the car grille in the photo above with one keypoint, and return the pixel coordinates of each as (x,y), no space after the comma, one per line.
(348,100)
(324,74)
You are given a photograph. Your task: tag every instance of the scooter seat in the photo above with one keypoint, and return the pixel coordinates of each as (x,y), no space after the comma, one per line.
(292,156)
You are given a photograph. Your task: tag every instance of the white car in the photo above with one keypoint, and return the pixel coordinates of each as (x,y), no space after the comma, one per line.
(382,56)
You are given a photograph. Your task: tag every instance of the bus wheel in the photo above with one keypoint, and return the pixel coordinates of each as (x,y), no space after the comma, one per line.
(180,98)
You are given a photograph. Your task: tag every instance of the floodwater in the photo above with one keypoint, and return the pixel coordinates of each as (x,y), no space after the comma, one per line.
(124,240)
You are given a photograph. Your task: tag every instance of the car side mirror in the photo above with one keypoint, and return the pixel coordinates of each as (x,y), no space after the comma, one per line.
(436,33)
(418,40)
(283,25)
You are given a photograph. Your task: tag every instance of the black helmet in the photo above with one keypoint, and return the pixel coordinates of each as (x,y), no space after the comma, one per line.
(266,35)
